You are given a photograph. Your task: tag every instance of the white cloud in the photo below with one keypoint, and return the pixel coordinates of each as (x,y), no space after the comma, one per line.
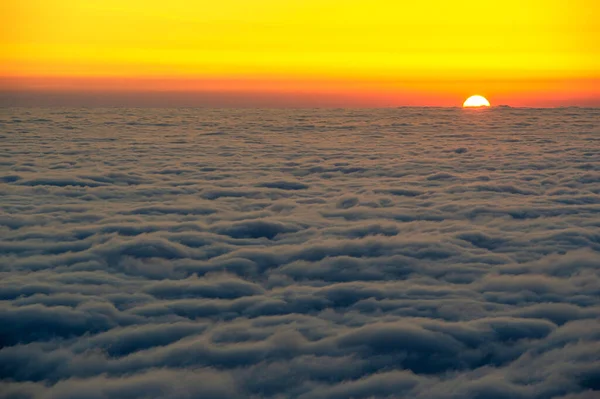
(223,253)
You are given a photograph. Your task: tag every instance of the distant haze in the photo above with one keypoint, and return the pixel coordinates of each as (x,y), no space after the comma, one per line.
(234,99)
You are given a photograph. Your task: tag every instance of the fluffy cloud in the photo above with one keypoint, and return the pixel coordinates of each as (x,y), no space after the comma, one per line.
(300,254)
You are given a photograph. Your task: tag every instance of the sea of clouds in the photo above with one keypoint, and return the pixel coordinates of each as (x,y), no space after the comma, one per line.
(399,253)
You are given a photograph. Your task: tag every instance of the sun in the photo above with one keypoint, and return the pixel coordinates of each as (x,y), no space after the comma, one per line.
(476,101)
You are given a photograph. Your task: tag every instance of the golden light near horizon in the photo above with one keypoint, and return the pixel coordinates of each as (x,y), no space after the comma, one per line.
(476,101)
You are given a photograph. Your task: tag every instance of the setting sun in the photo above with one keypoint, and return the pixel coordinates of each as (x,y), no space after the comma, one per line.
(476,101)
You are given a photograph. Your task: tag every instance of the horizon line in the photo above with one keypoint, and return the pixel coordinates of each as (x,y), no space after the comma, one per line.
(468,109)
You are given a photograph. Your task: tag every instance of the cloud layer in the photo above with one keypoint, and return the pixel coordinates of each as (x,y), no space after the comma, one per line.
(418,253)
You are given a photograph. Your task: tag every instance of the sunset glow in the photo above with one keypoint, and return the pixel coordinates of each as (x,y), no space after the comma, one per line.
(381,53)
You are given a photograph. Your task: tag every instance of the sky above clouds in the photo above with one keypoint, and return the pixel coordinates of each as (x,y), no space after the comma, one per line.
(376,53)
(300,254)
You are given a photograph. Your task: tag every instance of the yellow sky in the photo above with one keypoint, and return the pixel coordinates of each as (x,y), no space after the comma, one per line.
(437,47)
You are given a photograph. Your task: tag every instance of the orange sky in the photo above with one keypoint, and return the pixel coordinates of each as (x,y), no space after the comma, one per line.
(355,53)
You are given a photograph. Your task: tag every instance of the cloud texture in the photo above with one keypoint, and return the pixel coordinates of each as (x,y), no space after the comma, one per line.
(408,253)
